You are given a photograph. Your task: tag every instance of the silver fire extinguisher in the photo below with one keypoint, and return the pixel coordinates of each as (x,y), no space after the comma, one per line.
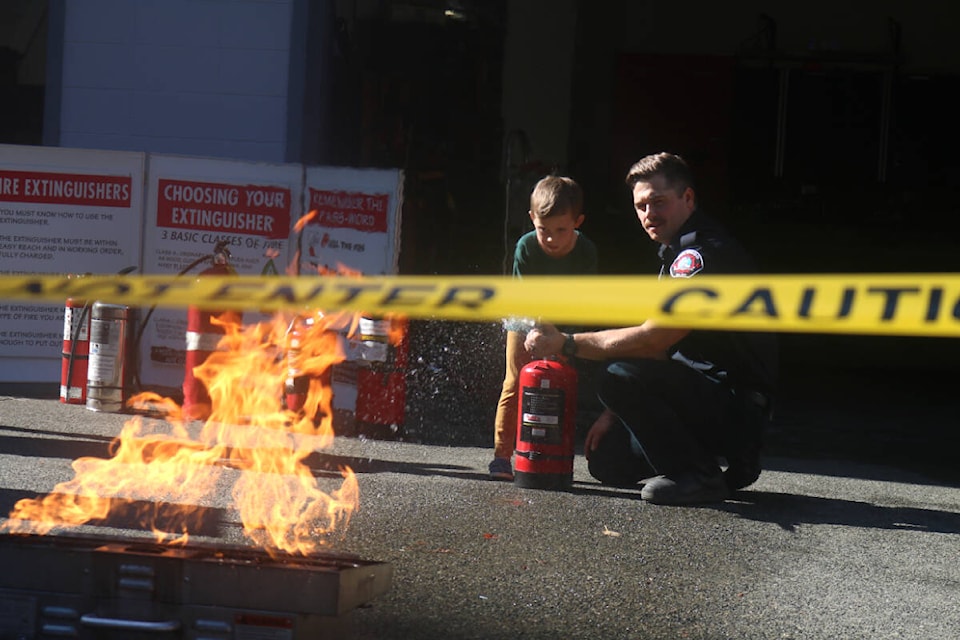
(108,367)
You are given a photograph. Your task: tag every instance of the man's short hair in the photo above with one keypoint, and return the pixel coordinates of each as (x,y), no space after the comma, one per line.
(672,167)
(555,195)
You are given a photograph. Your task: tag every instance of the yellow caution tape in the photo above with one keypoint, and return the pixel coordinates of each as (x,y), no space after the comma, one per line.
(896,304)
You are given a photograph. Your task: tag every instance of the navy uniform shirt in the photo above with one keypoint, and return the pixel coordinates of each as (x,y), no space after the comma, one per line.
(741,360)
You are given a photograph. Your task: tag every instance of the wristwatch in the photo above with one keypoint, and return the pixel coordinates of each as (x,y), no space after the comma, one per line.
(569,348)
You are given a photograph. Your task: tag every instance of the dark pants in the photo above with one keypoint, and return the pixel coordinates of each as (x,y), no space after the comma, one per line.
(671,419)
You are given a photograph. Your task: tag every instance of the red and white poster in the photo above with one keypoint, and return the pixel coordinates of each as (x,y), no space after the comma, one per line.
(355,220)
(62,211)
(354,226)
(192,206)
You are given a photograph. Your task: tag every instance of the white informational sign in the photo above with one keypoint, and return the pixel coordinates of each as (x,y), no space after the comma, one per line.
(354,226)
(79,211)
(62,211)
(194,203)
(355,220)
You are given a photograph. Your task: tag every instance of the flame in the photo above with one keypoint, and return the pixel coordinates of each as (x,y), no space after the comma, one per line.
(250,433)
(323,270)
(305,220)
(398,328)
(341,269)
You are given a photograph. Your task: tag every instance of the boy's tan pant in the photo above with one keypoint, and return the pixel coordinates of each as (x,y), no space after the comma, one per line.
(505,425)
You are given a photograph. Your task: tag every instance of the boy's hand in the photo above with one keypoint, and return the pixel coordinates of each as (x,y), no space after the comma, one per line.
(543,340)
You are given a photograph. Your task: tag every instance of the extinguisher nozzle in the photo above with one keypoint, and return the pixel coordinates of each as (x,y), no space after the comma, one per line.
(519,325)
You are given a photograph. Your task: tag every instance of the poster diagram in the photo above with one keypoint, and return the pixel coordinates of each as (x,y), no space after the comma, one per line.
(195,206)
(354,221)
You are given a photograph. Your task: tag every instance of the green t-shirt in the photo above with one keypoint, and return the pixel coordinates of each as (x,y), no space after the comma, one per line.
(529,258)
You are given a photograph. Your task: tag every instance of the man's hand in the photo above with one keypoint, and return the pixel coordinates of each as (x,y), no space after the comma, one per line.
(543,340)
(596,433)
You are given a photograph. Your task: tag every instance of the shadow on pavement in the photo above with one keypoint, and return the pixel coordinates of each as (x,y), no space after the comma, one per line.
(864,470)
(324,464)
(68,449)
(791,510)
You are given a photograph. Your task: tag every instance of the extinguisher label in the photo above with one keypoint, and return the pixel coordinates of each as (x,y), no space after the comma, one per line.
(541,413)
(71,393)
(70,316)
(203,341)
(104,351)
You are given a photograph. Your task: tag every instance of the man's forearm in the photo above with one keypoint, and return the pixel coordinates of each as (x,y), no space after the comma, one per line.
(644,341)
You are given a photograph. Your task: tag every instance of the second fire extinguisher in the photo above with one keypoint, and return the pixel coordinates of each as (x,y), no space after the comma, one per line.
(110,367)
(382,376)
(296,386)
(76,351)
(203,335)
(546,425)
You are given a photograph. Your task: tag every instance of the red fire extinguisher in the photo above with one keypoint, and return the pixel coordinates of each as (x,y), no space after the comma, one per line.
(202,339)
(296,385)
(76,352)
(382,380)
(546,425)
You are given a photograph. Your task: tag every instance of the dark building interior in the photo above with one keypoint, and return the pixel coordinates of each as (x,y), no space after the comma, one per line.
(21,98)
(860,178)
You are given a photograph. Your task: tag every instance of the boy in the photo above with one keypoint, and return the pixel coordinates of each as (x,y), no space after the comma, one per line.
(554,247)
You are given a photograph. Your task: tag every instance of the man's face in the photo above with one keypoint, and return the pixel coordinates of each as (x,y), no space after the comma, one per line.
(660,209)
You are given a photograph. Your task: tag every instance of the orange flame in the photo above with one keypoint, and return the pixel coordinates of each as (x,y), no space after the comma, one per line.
(250,433)
(305,220)
(341,269)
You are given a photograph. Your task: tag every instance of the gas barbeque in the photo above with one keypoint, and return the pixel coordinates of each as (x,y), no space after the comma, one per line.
(99,587)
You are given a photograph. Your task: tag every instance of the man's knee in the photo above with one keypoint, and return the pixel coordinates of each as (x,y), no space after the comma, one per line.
(616,462)
(619,384)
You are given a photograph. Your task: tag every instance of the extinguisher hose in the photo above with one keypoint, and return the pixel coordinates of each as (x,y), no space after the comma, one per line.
(75,333)
(218,248)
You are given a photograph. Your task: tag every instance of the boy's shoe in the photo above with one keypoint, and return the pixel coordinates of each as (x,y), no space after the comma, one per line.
(687,487)
(501,469)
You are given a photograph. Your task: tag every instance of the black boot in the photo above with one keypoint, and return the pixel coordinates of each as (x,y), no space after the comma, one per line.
(743,468)
(685,487)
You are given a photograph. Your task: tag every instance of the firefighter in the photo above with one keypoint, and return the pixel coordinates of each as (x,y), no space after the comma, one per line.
(676,401)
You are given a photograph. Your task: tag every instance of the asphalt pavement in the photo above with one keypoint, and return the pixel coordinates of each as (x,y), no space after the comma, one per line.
(821,547)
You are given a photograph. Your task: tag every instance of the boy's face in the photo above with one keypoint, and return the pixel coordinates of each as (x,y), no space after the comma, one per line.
(557,234)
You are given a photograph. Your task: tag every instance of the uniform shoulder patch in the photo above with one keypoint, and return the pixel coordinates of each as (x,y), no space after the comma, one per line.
(687,263)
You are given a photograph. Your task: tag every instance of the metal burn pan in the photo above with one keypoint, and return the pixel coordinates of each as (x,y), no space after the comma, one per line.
(99,587)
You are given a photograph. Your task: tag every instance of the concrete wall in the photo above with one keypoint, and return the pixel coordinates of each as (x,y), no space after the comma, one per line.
(177,76)
(214,77)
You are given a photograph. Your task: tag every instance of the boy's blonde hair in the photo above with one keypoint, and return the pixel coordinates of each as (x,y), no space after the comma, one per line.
(555,195)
